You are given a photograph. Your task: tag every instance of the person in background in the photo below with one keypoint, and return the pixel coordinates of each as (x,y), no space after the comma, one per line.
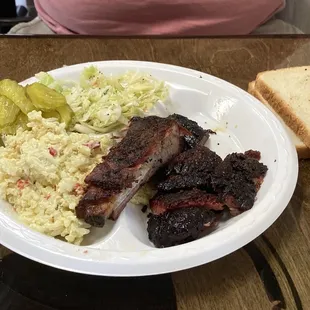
(156,17)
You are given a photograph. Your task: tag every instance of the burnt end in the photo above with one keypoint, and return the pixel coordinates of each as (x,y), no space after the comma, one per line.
(253,154)
(179,182)
(192,168)
(179,226)
(238,193)
(237,180)
(197,135)
(250,167)
(197,160)
(185,205)
(185,199)
(190,125)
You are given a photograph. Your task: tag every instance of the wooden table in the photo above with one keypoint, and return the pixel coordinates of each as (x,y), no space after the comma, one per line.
(273,272)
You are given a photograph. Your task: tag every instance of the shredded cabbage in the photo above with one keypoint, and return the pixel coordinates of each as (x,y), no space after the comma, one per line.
(104,103)
(49,81)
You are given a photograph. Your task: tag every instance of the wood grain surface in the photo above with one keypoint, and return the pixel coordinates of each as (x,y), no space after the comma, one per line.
(273,272)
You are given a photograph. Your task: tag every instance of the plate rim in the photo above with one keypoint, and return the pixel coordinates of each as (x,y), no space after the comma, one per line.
(176,263)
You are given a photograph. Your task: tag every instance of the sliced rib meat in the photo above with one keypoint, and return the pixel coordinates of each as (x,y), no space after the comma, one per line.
(150,142)
(164,202)
(237,180)
(192,168)
(179,226)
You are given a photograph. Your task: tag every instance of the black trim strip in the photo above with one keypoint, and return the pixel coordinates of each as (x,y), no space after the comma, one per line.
(266,274)
(286,273)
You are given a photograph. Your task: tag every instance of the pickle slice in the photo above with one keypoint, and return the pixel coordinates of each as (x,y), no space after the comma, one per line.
(51,114)
(9,130)
(20,122)
(45,98)
(66,114)
(8,111)
(15,92)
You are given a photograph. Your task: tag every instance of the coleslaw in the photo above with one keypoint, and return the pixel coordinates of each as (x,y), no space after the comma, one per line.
(103,103)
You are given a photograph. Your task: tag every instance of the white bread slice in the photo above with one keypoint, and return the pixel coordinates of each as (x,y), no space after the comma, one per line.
(302,150)
(288,92)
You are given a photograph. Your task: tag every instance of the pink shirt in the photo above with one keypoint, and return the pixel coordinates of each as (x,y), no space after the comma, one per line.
(156,17)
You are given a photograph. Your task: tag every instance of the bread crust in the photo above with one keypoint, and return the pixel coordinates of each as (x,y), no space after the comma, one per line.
(286,112)
(302,150)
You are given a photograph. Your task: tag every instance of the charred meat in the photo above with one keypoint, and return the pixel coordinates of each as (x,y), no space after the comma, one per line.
(253,154)
(237,180)
(198,181)
(194,184)
(193,133)
(150,142)
(179,226)
(164,202)
(192,168)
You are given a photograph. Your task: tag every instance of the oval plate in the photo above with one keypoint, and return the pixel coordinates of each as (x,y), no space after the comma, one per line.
(122,248)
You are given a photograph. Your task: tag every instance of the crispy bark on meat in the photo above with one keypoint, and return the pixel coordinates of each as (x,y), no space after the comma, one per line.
(180,216)
(193,133)
(141,140)
(164,202)
(192,168)
(253,154)
(237,180)
(150,142)
(179,226)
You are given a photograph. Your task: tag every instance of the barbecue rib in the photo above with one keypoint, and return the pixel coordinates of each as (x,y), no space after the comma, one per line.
(192,168)
(150,142)
(237,180)
(179,226)
(184,199)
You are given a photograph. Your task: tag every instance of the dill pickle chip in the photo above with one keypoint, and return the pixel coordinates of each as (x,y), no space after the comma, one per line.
(45,98)
(15,92)
(9,130)
(20,122)
(8,111)
(51,114)
(66,114)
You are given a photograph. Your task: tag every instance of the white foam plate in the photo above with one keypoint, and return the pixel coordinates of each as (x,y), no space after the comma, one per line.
(122,248)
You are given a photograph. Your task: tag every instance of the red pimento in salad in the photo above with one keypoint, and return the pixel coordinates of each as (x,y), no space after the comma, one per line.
(52,151)
(78,189)
(22,183)
(92,144)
